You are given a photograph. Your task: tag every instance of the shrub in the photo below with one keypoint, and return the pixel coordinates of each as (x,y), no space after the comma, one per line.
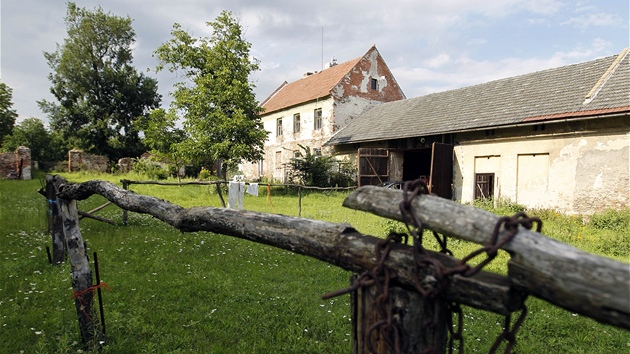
(312,169)
(610,219)
(150,169)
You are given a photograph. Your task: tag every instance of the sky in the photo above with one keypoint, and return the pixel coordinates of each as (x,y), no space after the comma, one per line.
(429,45)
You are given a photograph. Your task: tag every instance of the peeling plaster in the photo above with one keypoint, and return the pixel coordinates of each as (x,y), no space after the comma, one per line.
(372,73)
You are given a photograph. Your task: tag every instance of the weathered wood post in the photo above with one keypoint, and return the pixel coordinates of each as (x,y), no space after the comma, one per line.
(80,267)
(300,201)
(410,310)
(55,222)
(218,184)
(125,185)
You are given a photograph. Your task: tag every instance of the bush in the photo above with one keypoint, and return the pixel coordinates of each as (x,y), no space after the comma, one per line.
(312,169)
(150,169)
(204,174)
(610,219)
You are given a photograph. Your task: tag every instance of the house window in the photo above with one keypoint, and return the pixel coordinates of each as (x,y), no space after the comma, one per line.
(318,119)
(278,160)
(374,84)
(484,185)
(317,151)
(279,127)
(261,168)
(296,123)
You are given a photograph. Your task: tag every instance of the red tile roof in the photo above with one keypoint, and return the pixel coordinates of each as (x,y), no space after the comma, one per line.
(309,88)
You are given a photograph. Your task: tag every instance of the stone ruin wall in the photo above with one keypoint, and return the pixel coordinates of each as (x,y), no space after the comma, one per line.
(80,161)
(10,164)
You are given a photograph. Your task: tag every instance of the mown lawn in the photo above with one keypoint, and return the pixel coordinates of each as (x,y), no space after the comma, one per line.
(205,293)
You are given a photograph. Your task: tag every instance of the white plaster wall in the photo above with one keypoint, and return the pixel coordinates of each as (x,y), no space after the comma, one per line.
(307,119)
(584,173)
(349,108)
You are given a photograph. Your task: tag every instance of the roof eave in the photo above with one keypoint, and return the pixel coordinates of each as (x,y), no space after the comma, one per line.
(557,118)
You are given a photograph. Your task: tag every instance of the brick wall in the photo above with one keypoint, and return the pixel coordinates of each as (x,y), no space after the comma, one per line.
(11,162)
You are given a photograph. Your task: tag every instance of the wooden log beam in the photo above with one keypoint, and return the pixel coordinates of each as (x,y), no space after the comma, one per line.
(578,281)
(85,214)
(337,244)
(99,208)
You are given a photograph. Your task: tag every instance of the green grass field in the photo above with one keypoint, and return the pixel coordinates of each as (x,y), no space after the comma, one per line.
(177,292)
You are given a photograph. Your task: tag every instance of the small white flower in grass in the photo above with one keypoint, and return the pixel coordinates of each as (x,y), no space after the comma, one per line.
(574,314)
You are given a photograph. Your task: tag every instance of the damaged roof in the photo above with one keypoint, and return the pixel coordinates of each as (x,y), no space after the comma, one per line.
(309,88)
(595,87)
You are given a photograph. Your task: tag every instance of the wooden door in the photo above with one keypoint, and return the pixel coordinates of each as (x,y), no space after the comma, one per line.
(441,178)
(373,166)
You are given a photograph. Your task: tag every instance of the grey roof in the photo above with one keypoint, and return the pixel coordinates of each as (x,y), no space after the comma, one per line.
(539,96)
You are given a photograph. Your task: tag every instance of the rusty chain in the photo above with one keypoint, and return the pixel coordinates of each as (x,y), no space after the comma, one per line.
(380,276)
(435,280)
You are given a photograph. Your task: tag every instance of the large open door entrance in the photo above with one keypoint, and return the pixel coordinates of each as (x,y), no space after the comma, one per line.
(434,164)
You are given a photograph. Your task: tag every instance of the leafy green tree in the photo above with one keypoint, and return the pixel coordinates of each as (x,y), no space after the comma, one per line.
(7,113)
(161,133)
(162,136)
(31,133)
(100,95)
(220,111)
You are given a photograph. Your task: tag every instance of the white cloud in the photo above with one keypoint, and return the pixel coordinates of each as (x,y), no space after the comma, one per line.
(463,71)
(596,19)
(438,61)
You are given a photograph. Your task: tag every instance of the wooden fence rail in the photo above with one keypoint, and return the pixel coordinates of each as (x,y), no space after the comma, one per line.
(593,286)
(578,281)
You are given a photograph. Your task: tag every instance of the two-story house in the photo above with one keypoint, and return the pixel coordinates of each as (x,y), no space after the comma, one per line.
(310,110)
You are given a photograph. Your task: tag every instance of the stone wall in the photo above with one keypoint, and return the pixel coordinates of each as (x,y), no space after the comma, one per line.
(16,164)
(80,161)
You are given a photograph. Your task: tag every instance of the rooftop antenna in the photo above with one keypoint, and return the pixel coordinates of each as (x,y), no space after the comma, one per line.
(322,47)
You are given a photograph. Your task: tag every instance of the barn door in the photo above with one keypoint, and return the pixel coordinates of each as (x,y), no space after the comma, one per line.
(441,178)
(373,166)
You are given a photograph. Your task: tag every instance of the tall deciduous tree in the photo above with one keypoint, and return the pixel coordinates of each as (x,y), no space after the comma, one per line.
(7,113)
(220,111)
(100,94)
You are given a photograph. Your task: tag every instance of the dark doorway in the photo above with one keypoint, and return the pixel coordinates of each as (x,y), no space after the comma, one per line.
(434,164)
(416,163)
